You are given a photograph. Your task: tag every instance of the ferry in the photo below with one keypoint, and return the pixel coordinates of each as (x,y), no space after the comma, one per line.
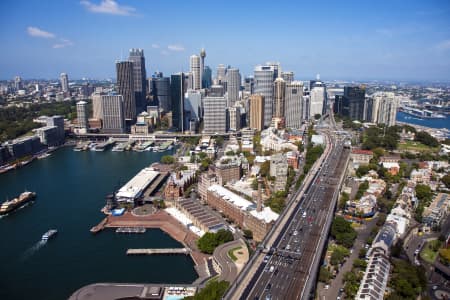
(103,146)
(11,205)
(119,147)
(46,236)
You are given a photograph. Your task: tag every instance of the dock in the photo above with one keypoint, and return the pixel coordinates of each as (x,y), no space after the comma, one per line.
(184,251)
(100,226)
(131,230)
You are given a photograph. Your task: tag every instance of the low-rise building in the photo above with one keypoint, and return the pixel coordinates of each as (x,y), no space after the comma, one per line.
(178,183)
(361,157)
(392,167)
(422,176)
(293,158)
(199,215)
(279,170)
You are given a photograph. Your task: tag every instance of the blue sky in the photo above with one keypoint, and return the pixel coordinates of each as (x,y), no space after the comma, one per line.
(402,40)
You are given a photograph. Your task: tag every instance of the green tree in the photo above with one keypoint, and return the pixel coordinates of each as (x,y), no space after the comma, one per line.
(325,275)
(265,169)
(343,232)
(167,159)
(209,241)
(426,139)
(446,180)
(248,234)
(317,116)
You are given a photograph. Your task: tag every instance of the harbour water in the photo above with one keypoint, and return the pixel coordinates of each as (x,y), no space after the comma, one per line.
(71,188)
(432,123)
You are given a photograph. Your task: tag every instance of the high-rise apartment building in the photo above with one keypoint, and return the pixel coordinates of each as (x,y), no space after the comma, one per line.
(82,116)
(177,87)
(215,115)
(257,112)
(139,78)
(58,122)
(113,113)
(125,87)
(264,78)
(234,118)
(192,105)
(196,72)
(294,104)
(279,95)
(64,82)
(317,99)
(383,109)
(18,85)
(233,86)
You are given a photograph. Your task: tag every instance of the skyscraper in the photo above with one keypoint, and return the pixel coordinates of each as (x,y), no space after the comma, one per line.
(249,84)
(221,73)
(82,116)
(196,72)
(97,111)
(18,83)
(177,86)
(113,113)
(264,78)
(279,95)
(257,112)
(64,82)
(202,66)
(294,104)
(192,106)
(216,90)
(58,122)
(353,102)
(125,87)
(317,99)
(234,113)
(287,76)
(215,114)
(384,108)
(161,92)
(139,78)
(233,86)
(206,77)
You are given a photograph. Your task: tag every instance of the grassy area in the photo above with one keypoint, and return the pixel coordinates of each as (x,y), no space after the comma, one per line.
(415,146)
(430,251)
(231,253)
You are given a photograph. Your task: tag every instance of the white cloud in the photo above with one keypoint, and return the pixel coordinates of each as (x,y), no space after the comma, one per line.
(164,52)
(444,45)
(108,7)
(36,32)
(63,43)
(175,48)
(155,46)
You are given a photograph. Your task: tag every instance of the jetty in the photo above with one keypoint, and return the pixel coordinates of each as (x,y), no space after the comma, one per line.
(100,226)
(165,251)
(131,230)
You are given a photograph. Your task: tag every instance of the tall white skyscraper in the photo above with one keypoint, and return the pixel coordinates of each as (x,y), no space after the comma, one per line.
(294,104)
(64,82)
(263,85)
(113,114)
(196,72)
(384,108)
(215,116)
(97,110)
(317,98)
(82,116)
(221,73)
(233,86)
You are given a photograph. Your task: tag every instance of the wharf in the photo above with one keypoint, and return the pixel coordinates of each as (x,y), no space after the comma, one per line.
(100,226)
(154,186)
(131,230)
(184,251)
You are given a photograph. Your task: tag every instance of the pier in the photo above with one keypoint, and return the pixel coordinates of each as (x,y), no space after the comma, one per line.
(166,251)
(131,230)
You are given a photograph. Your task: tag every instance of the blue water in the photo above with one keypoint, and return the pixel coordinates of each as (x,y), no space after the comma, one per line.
(433,123)
(71,188)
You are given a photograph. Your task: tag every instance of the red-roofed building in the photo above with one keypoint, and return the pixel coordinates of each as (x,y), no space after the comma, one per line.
(361,157)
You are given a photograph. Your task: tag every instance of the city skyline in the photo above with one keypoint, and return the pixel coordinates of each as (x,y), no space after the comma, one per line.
(385,40)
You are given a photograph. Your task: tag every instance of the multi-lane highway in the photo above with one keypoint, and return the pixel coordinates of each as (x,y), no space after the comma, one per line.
(287,267)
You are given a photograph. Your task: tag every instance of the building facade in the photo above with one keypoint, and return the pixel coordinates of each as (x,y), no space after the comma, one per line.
(195,66)
(294,104)
(177,87)
(215,114)
(64,82)
(125,87)
(264,77)
(233,86)
(113,113)
(82,116)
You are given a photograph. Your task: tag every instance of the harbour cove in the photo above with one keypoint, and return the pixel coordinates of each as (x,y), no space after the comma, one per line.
(71,188)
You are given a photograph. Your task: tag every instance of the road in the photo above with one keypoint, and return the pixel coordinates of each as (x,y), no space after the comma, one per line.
(287,268)
(229,268)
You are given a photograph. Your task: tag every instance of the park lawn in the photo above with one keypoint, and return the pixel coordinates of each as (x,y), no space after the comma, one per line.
(428,254)
(231,253)
(415,146)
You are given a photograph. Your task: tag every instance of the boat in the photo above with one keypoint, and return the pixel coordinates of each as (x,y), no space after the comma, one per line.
(46,236)
(11,205)
(119,147)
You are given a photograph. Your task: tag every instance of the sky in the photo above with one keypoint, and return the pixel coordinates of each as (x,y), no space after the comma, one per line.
(340,40)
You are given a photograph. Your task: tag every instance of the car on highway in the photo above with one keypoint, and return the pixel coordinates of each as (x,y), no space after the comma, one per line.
(268,286)
(304,214)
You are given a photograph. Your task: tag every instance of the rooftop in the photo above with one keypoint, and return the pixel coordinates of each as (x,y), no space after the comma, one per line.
(137,184)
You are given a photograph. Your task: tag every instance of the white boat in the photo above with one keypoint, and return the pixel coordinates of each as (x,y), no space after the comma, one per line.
(46,236)
(44,155)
